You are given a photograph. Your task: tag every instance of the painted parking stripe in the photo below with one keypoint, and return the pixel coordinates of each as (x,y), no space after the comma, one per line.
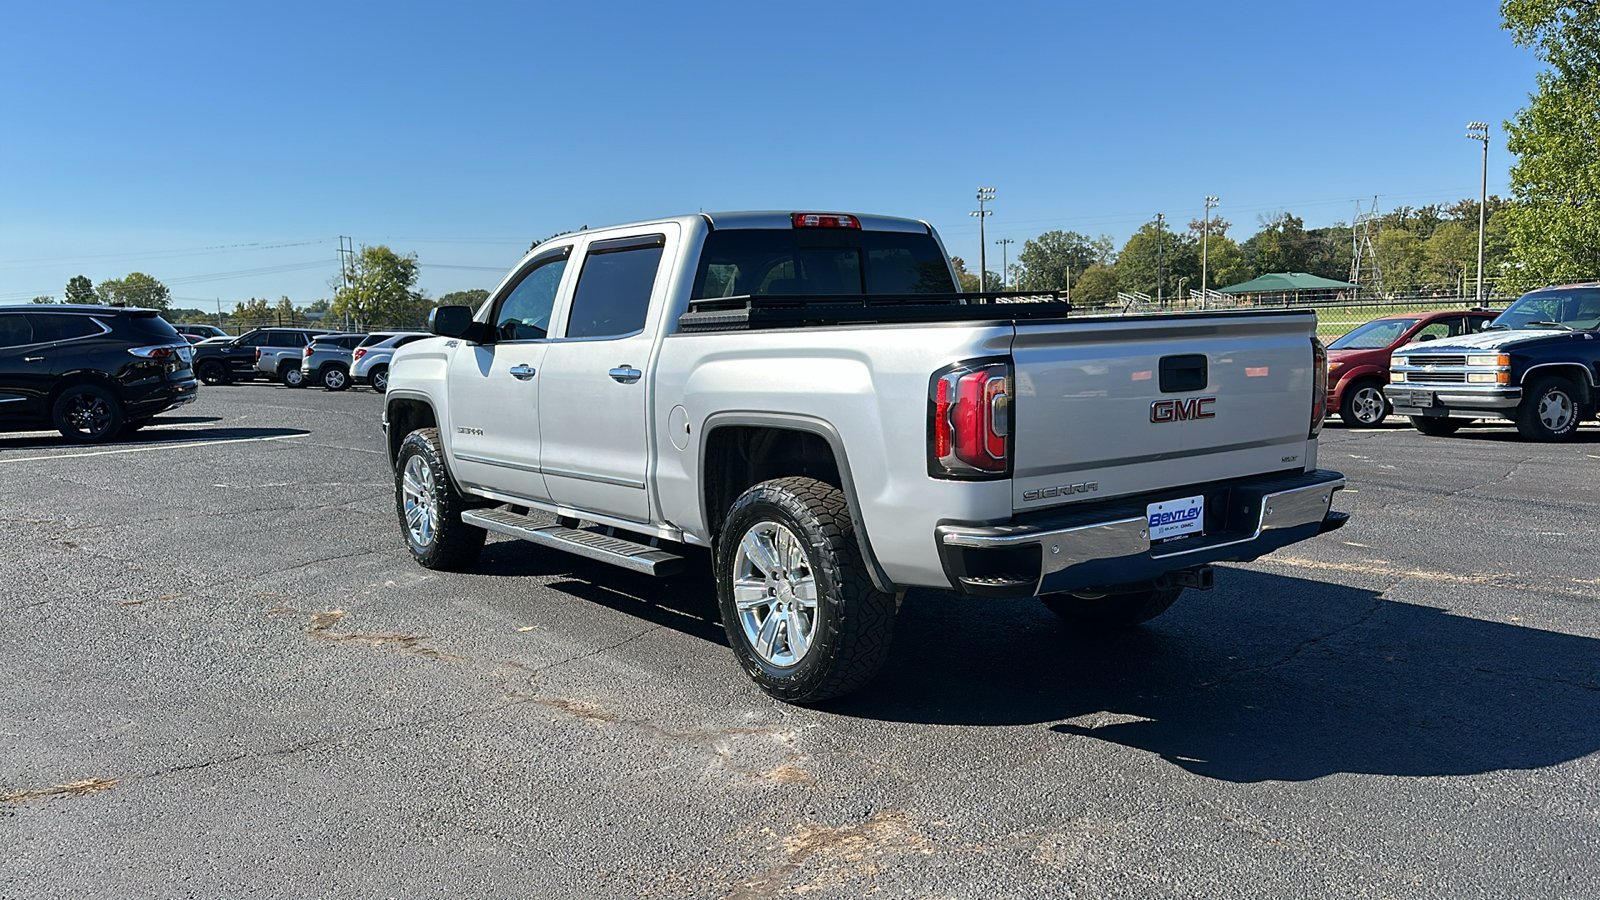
(249,440)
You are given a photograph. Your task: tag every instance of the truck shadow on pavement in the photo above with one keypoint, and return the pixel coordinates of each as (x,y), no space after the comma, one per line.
(1273,678)
(144,438)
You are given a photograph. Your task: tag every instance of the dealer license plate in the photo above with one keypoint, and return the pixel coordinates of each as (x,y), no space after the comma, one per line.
(1175,518)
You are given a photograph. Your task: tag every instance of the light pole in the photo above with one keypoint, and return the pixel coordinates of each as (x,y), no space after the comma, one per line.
(1005,246)
(1205,243)
(1161,221)
(1479,131)
(984,196)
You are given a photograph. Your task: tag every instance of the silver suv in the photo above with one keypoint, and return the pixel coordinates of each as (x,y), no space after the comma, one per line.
(326,360)
(370,364)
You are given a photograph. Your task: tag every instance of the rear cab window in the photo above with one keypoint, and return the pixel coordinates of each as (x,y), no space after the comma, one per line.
(820,261)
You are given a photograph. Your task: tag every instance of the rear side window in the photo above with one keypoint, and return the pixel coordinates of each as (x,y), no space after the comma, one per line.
(613,294)
(371,339)
(48,328)
(401,342)
(157,327)
(15,331)
(812,261)
(286,339)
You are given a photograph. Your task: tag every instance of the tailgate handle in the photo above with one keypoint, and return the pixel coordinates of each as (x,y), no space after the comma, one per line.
(1184,372)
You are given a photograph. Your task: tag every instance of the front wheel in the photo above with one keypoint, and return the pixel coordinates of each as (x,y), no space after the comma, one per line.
(211,372)
(802,615)
(1112,611)
(87,414)
(1363,405)
(1550,410)
(1436,426)
(430,506)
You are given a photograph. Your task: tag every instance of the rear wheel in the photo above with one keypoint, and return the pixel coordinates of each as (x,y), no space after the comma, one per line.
(380,379)
(335,378)
(1435,426)
(291,376)
(1550,410)
(87,414)
(1364,405)
(1112,611)
(430,507)
(211,372)
(801,612)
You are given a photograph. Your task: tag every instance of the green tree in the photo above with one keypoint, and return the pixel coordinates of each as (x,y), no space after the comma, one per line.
(1554,226)
(1225,263)
(1402,259)
(1097,286)
(1050,260)
(464,298)
(253,313)
(1151,251)
(44,298)
(967,282)
(81,290)
(381,289)
(1281,245)
(137,289)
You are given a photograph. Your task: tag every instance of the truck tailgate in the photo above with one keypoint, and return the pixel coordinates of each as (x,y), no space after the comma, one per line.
(1110,407)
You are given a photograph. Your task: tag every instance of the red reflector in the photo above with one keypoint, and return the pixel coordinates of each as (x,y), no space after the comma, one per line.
(1256,371)
(824,220)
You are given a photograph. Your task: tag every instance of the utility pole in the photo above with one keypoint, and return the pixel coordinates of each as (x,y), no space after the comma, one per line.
(346,264)
(1161,223)
(985,194)
(1479,131)
(1205,243)
(1005,246)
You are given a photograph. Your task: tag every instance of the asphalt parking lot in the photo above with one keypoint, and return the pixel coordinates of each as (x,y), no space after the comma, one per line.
(224,677)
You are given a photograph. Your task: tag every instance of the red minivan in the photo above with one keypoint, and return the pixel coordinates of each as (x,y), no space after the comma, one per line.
(1358,362)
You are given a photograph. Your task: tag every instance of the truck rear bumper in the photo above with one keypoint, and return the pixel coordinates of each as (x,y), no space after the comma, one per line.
(1108,544)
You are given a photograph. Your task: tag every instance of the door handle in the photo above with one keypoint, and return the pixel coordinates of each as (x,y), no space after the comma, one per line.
(626,374)
(33,359)
(522,372)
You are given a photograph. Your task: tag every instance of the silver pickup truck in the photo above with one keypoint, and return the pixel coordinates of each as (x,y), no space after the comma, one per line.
(807,396)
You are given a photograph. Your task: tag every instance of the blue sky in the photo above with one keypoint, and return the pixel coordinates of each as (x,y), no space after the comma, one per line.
(223,148)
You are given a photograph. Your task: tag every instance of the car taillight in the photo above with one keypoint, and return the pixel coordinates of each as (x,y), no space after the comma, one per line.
(258,354)
(360,352)
(824,220)
(969,421)
(306,351)
(163,351)
(1319,386)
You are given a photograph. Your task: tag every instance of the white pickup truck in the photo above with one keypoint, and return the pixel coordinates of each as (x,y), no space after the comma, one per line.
(808,396)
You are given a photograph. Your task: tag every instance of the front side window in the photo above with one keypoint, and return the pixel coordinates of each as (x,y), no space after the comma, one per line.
(47,328)
(1439,328)
(254,339)
(15,331)
(524,314)
(612,298)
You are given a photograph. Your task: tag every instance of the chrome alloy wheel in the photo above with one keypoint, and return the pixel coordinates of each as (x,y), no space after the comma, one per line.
(89,414)
(1556,410)
(775,592)
(1368,405)
(380,380)
(421,504)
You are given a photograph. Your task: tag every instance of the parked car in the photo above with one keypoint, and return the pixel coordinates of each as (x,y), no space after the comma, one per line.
(235,359)
(1358,362)
(92,372)
(326,360)
(807,394)
(370,362)
(195,332)
(1536,364)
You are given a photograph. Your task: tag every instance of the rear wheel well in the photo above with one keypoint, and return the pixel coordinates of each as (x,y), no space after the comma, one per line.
(406,416)
(78,378)
(738,457)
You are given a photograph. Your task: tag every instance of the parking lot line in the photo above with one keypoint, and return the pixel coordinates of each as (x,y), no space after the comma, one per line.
(274,437)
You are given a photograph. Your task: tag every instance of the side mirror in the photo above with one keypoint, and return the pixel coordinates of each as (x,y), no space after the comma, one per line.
(1426,337)
(456,322)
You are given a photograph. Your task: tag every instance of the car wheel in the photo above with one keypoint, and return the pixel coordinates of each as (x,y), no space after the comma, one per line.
(211,372)
(1437,426)
(1550,410)
(801,613)
(1112,611)
(291,376)
(430,506)
(87,414)
(380,379)
(335,378)
(1364,405)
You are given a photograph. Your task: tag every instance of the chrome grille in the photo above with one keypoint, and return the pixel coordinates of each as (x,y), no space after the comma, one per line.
(1449,377)
(1436,360)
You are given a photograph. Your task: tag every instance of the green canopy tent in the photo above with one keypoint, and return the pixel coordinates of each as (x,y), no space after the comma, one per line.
(1278,286)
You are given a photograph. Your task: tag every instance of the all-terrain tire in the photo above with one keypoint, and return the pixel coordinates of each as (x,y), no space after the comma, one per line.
(851,622)
(1112,611)
(1550,410)
(430,507)
(1436,426)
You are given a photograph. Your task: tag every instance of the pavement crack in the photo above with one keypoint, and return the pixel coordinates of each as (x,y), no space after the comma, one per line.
(1378,604)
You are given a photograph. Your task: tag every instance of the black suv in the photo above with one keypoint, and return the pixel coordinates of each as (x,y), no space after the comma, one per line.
(93,372)
(225,361)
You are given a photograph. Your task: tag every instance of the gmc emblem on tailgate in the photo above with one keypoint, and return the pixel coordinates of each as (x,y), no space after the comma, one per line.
(1181,410)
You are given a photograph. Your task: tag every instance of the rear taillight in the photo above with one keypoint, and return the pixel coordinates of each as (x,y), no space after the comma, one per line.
(258,354)
(164,351)
(306,351)
(824,220)
(1319,386)
(360,352)
(969,421)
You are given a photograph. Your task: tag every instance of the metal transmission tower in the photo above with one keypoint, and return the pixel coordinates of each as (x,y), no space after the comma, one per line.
(1365,272)
(1005,256)
(984,196)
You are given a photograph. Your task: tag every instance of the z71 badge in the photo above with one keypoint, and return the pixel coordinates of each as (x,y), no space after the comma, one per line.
(1082,487)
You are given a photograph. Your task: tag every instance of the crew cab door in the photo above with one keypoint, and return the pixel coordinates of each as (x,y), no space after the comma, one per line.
(595,388)
(494,387)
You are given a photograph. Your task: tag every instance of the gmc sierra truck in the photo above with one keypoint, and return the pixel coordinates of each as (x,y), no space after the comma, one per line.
(809,397)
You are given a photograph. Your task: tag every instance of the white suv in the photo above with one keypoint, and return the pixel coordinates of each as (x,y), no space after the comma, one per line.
(370,364)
